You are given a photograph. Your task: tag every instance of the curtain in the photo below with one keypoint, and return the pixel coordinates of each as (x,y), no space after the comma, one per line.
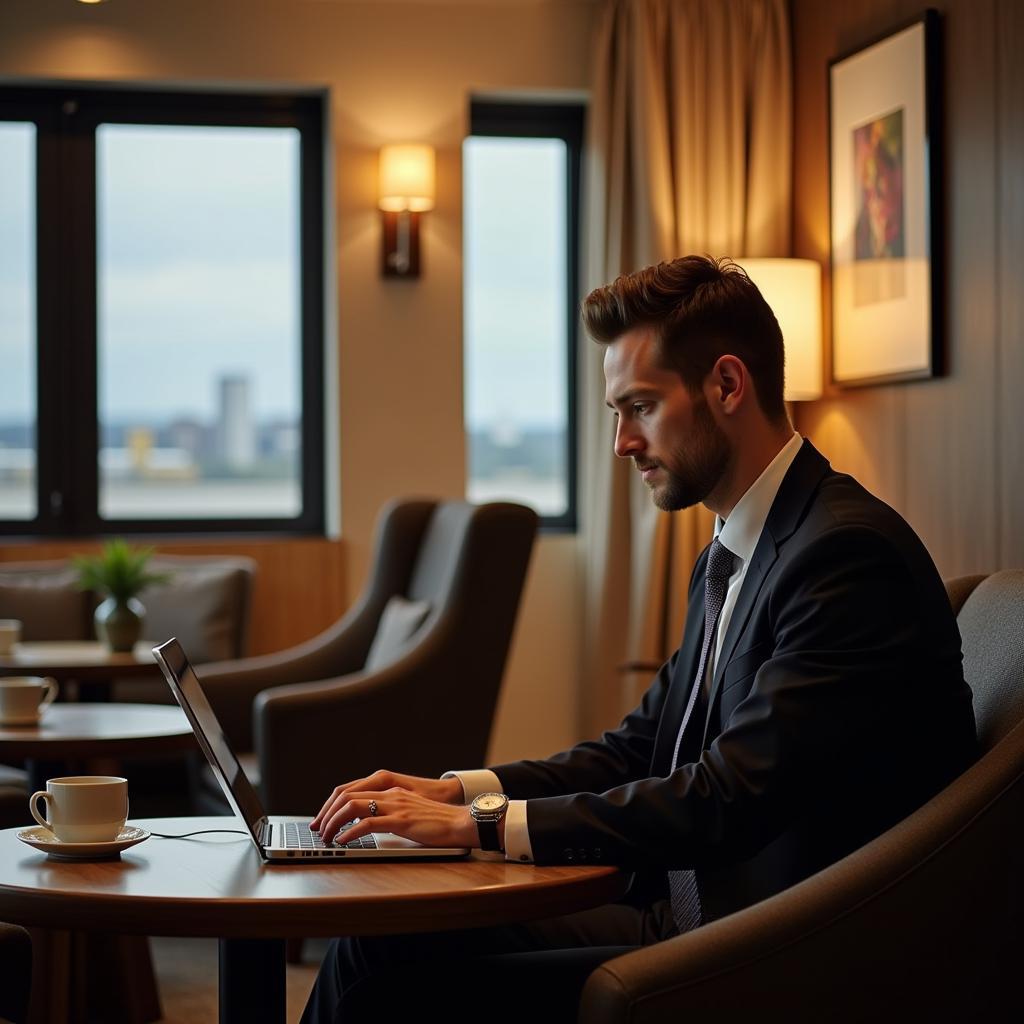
(688,151)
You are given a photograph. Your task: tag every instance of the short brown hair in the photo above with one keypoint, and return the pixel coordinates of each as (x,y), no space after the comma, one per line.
(701,308)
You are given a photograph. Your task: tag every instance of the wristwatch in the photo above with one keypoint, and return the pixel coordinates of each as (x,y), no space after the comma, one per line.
(487,810)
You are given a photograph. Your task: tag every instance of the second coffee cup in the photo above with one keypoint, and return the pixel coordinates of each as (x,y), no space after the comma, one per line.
(24,698)
(83,808)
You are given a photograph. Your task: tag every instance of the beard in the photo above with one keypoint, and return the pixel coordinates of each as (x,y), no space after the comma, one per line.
(696,468)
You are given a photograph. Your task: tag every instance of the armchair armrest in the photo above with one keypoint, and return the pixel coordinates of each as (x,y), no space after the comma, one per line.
(338,651)
(409,716)
(924,922)
(232,686)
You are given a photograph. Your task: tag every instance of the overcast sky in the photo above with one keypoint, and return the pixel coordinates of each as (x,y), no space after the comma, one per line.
(198,273)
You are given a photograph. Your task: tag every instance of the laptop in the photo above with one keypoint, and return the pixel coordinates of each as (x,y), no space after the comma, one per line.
(285,839)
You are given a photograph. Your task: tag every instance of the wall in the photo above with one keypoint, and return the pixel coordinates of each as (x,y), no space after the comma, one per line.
(947,453)
(395,71)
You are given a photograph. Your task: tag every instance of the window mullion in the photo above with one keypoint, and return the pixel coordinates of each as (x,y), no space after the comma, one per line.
(78,341)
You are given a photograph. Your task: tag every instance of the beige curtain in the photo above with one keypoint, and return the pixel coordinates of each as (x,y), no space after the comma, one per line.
(688,152)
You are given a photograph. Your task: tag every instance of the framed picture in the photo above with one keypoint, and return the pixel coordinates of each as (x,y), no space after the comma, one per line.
(885,202)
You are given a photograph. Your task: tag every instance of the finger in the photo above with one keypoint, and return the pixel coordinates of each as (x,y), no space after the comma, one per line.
(331,801)
(375,783)
(339,796)
(362,827)
(349,811)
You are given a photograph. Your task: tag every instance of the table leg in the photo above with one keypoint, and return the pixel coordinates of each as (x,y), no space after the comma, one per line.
(252,981)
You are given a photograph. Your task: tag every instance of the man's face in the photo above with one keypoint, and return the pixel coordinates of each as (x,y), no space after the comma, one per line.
(670,434)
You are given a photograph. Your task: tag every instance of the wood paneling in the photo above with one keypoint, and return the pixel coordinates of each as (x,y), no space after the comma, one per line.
(950,431)
(946,453)
(300,582)
(1010,369)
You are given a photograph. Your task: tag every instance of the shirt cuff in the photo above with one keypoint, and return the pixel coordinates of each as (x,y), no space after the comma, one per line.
(517,835)
(481,780)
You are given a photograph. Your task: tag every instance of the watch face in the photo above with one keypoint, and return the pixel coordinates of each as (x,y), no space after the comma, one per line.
(490,802)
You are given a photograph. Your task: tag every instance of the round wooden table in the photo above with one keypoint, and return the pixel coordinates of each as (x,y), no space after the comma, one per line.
(72,659)
(84,731)
(89,666)
(218,885)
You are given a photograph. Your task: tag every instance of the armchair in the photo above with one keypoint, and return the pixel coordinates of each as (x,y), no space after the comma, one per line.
(316,714)
(926,922)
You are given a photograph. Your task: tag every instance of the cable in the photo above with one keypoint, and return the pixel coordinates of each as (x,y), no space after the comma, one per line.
(201,832)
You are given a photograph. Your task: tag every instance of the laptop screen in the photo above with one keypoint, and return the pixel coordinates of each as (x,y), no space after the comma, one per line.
(188,691)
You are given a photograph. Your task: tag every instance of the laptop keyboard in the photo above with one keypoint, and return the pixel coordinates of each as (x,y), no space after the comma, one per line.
(299,836)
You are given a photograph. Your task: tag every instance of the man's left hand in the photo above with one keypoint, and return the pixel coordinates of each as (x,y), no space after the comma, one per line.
(405,814)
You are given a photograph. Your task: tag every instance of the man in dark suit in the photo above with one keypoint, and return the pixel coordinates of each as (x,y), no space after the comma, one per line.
(817,696)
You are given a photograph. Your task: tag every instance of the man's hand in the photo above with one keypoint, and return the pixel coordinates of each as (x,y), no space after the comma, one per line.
(443,791)
(402,811)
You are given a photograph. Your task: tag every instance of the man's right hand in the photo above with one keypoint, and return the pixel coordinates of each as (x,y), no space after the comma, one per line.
(444,791)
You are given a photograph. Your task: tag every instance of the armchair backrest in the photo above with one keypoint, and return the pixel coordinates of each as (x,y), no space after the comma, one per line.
(205,603)
(991,620)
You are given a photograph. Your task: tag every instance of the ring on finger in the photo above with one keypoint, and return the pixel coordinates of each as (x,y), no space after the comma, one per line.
(373,809)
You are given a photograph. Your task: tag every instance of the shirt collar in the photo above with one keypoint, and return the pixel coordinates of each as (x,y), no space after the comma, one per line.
(742,530)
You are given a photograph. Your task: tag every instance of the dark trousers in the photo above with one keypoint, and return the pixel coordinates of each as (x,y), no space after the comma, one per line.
(533,971)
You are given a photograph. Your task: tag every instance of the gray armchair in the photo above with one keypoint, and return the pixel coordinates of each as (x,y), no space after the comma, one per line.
(435,623)
(205,603)
(924,923)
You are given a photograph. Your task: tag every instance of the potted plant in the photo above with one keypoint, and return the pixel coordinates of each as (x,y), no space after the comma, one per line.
(119,572)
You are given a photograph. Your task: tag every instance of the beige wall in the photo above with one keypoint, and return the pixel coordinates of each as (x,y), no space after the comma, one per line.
(395,72)
(947,453)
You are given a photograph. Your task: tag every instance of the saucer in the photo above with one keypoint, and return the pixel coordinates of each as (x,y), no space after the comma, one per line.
(43,839)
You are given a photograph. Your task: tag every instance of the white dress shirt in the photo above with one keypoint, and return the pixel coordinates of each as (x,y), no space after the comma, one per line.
(740,534)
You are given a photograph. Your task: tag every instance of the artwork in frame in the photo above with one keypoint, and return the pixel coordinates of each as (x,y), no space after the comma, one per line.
(885,201)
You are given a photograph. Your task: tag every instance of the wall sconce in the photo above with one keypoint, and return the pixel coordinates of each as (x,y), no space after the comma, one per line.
(793,289)
(406,191)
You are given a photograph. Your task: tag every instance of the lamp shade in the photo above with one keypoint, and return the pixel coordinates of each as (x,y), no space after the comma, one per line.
(793,289)
(406,178)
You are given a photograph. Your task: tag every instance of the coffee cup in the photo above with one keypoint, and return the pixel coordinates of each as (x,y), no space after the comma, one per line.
(10,634)
(83,808)
(24,698)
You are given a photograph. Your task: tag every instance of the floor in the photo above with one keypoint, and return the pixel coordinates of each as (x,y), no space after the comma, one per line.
(187,976)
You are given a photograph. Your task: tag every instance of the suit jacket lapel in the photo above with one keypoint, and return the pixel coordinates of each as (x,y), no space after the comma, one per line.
(795,494)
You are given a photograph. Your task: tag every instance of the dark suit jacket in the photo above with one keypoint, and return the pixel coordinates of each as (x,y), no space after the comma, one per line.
(838,705)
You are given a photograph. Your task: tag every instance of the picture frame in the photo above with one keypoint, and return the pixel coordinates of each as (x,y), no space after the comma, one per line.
(885,205)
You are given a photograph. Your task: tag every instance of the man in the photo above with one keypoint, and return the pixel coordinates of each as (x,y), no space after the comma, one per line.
(816,699)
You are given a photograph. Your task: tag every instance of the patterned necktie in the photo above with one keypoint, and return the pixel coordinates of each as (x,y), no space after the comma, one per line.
(686,909)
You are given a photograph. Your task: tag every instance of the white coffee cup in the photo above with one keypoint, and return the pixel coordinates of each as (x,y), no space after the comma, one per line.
(10,634)
(83,808)
(24,698)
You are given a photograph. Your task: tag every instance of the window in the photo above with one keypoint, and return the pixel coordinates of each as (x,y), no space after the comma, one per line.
(161,309)
(521,210)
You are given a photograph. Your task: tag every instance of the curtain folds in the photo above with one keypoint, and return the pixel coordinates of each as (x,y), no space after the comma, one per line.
(688,151)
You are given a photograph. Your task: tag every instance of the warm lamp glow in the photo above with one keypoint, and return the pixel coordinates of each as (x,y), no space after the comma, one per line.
(793,289)
(407,178)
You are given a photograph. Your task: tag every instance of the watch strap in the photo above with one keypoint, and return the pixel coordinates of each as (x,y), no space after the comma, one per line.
(488,830)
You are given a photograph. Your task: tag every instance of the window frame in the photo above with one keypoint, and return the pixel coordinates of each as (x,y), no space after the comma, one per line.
(67,422)
(555,120)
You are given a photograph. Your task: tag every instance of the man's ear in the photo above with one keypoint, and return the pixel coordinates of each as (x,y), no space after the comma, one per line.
(729,382)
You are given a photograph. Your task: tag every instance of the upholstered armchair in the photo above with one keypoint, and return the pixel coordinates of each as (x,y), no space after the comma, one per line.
(205,603)
(924,923)
(407,680)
